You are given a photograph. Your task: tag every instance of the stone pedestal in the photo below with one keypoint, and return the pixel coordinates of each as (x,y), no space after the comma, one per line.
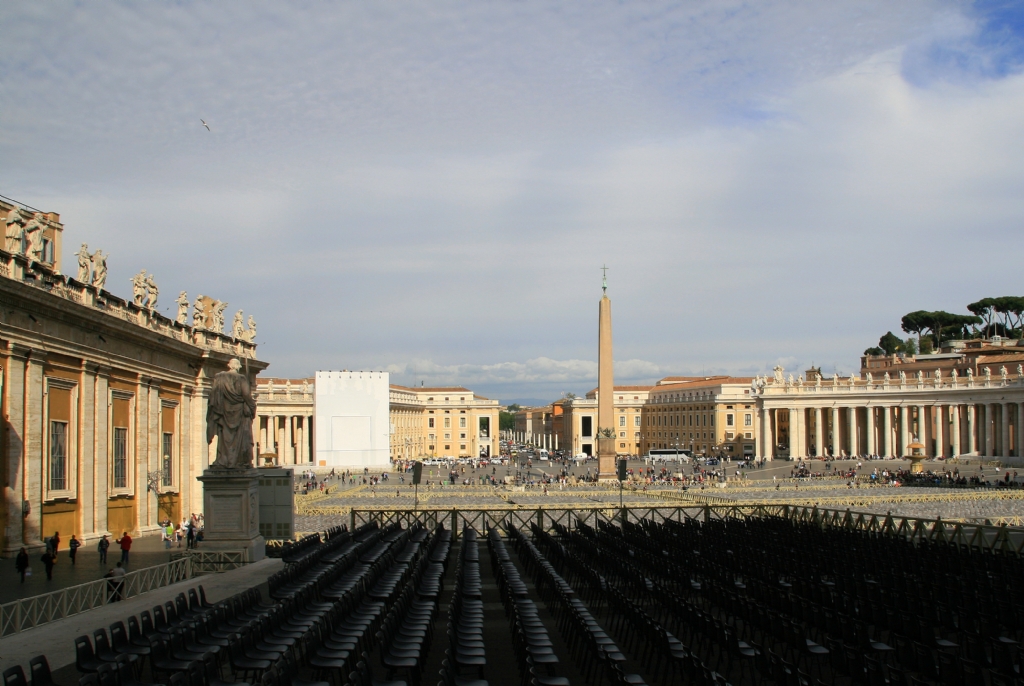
(231,511)
(607,458)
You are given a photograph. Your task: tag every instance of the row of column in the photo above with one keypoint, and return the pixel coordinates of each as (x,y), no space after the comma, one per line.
(544,440)
(289,436)
(945,430)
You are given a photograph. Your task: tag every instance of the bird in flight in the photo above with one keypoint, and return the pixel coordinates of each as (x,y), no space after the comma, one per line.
(206,125)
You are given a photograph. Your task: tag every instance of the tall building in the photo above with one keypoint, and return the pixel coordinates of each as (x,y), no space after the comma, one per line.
(580,420)
(104,398)
(706,415)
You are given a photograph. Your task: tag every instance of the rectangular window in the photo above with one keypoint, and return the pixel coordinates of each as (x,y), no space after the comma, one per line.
(430,422)
(462,422)
(447,422)
(748,419)
(485,427)
(120,457)
(622,420)
(431,437)
(58,456)
(166,474)
(636,420)
(587,426)
(728,419)
(462,436)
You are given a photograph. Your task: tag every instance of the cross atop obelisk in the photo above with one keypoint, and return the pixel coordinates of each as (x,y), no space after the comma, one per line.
(606,451)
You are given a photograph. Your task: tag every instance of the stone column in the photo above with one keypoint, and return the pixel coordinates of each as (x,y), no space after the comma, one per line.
(972,429)
(796,432)
(101,442)
(300,439)
(819,431)
(869,427)
(904,430)
(263,433)
(34,463)
(154,458)
(989,430)
(942,430)
(1019,430)
(767,436)
(1004,418)
(90,493)
(15,374)
(955,426)
(835,432)
(922,428)
(851,413)
(887,431)
(289,449)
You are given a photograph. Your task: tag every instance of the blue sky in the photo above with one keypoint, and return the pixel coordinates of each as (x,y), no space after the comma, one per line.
(431,188)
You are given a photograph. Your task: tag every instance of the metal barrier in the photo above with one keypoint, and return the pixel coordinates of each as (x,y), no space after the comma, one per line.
(207,561)
(28,613)
(984,536)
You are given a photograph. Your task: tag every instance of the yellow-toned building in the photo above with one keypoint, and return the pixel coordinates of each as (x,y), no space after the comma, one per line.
(425,422)
(104,400)
(707,415)
(579,420)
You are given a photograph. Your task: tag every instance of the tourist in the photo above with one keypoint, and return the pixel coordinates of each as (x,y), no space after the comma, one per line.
(56,545)
(102,547)
(115,585)
(73,545)
(126,545)
(48,559)
(21,564)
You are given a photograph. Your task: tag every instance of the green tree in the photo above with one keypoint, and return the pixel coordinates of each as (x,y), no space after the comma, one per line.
(513,408)
(927,348)
(983,309)
(890,343)
(874,351)
(910,346)
(915,322)
(506,420)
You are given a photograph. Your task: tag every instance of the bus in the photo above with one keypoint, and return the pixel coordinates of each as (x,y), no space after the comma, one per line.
(669,454)
(543,454)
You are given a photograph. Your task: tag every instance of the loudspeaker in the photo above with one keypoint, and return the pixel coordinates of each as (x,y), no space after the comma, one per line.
(417,473)
(622,470)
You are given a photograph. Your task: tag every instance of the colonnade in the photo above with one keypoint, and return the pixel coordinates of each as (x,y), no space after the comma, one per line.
(944,429)
(548,441)
(290,436)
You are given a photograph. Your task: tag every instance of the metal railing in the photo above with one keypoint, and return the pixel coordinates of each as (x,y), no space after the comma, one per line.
(985,536)
(206,561)
(28,613)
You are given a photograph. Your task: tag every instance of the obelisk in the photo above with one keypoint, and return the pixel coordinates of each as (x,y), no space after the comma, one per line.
(606,453)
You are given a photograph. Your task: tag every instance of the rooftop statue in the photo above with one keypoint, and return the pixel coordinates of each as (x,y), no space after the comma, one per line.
(34,233)
(182,302)
(15,231)
(237,327)
(84,264)
(99,270)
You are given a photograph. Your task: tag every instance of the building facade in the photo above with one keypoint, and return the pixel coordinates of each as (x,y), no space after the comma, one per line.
(424,422)
(580,425)
(950,415)
(104,400)
(706,415)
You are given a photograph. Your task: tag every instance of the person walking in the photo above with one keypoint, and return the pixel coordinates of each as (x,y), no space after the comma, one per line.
(102,547)
(73,545)
(48,560)
(126,545)
(56,545)
(21,563)
(115,583)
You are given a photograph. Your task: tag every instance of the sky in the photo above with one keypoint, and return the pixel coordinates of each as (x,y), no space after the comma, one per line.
(431,188)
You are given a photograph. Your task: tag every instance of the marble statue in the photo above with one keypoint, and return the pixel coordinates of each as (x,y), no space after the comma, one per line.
(237,327)
(817,380)
(305,389)
(99,270)
(218,316)
(34,233)
(288,389)
(152,292)
(252,329)
(1020,372)
(938,378)
(853,380)
(869,378)
(778,374)
(15,231)
(970,376)
(903,378)
(139,288)
(920,378)
(1004,376)
(886,379)
(789,380)
(229,418)
(954,377)
(988,375)
(199,313)
(182,303)
(84,264)
(835,380)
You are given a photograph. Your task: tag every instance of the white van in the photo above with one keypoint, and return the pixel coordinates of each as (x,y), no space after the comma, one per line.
(543,455)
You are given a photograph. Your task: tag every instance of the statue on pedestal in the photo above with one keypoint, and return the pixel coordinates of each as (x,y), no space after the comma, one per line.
(777,371)
(252,330)
(139,288)
(1004,376)
(970,376)
(182,302)
(34,232)
(99,270)
(218,316)
(237,327)
(954,377)
(903,378)
(199,313)
(84,264)
(15,231)
(229,418)
(152,292)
